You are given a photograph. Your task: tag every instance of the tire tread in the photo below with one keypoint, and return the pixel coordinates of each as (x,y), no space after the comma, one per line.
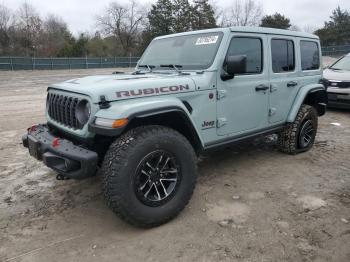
(115,159)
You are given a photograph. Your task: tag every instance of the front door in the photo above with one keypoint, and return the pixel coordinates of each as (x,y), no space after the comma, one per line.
(242,104)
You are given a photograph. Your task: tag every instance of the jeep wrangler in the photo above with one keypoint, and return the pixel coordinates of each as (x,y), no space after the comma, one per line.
(189,93)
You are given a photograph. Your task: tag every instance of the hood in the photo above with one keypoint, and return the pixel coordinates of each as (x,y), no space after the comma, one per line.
(126,86)
(340,75)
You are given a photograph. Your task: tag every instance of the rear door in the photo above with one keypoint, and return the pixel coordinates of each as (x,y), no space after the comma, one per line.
(283,76)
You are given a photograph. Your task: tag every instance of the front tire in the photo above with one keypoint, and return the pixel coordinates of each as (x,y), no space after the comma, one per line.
(149,175)
(299,136)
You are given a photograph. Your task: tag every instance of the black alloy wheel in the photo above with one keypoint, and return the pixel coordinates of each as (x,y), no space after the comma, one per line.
(157,178)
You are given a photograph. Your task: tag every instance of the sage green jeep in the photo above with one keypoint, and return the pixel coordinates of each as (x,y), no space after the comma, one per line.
(190,92)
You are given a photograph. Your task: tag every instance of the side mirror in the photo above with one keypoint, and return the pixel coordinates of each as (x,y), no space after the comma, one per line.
(234,65)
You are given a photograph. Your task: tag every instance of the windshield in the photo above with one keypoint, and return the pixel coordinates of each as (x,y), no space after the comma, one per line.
(342,64)
(191,52)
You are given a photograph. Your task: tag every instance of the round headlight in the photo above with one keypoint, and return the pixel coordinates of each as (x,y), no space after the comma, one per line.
(83,111)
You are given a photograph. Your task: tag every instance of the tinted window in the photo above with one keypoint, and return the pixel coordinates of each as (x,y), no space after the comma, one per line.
(282,55)
(250,47)
(310,55)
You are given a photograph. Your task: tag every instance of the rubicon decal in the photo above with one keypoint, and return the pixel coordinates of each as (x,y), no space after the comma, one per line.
(151,91)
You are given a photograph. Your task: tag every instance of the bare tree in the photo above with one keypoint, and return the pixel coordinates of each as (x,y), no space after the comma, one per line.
(123,22)
(295,28)
(29,25)
(5,15)
(242,13)
(55,34)
(309,29)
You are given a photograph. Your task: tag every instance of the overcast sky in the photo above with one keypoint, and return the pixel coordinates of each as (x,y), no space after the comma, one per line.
(80,14)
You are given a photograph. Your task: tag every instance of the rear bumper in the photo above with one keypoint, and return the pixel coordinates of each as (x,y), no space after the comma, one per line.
(60,154)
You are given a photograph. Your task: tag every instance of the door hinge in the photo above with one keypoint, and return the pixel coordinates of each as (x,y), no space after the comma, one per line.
(220,94)
(221,122)
(273,88)
(272,111)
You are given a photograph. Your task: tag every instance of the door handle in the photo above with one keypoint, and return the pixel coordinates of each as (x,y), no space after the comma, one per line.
(292,84)
(261,88)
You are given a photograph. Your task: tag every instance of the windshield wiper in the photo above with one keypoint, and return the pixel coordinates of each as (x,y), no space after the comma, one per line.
(176,67)
(149,67)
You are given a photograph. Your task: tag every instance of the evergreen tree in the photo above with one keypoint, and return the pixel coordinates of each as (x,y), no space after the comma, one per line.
(160,18)
(203,15)
(181,16)
(276,20)
(337,30)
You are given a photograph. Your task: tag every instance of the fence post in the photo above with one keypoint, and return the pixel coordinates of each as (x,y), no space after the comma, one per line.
(115,61)
(51,63)
(33,62)
(11,60)
(100,61)
(86,62)
(69,63)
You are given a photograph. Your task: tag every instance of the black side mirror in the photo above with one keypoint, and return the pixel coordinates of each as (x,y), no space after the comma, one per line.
(233,65)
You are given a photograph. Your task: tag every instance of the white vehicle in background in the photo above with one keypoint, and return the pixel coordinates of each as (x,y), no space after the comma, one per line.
(336,79)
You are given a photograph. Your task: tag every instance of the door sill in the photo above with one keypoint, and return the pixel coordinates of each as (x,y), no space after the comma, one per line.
(242,137)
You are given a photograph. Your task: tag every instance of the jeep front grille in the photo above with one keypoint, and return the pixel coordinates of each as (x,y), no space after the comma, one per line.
(61,108)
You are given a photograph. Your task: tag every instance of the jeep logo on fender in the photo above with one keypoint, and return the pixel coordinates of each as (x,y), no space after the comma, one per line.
(150,91)
(208,124)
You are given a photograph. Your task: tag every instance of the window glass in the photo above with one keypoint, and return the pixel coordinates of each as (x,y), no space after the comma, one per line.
(310,55)
(342,64)
(250,47)
(191,52)
(283,58)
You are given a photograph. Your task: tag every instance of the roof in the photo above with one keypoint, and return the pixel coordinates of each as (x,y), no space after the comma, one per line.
(273,31)
(246,29)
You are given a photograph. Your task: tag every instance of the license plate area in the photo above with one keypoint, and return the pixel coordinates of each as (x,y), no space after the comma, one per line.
(34,148)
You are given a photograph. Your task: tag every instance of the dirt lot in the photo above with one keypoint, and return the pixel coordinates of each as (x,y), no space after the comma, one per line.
(251,203)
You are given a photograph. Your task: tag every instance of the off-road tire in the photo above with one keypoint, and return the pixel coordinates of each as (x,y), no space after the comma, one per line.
(288,138)
(121,162)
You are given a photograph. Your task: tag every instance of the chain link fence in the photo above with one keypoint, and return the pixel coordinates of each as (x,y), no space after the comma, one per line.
(53,63)
(335,51)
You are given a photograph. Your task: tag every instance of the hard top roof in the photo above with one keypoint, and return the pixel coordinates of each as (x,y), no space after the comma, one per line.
(272,31)
(246,29)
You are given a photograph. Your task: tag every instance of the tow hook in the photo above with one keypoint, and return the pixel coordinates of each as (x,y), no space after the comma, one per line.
(61,177)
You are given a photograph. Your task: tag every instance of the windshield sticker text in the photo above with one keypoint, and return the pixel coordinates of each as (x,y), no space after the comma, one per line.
(151,91)
(207,40)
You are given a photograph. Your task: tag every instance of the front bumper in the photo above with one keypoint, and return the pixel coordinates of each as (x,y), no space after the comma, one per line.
(60,154)
(339,97)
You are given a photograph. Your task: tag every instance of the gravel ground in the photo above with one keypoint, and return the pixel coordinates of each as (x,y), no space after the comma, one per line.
(251,202)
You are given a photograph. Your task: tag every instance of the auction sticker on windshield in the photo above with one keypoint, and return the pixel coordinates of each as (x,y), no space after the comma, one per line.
(207,40)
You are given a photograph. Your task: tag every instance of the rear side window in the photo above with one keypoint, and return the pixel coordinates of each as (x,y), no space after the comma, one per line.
(283,58)
(310,55)
(250,47)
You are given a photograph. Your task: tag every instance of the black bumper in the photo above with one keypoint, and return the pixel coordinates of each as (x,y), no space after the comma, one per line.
(60,154)
(339,100)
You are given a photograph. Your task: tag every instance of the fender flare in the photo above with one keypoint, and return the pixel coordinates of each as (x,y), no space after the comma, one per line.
(141,109)
(302,95)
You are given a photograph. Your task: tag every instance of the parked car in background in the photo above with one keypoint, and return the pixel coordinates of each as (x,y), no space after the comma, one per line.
(337,81)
